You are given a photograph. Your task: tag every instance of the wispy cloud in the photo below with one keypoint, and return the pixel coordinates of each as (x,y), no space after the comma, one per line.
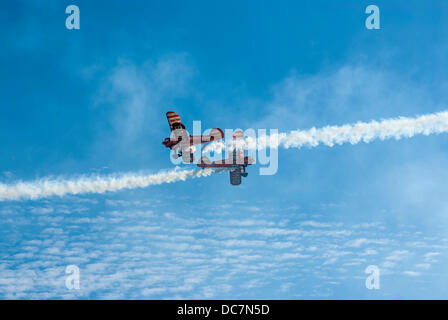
(149,254)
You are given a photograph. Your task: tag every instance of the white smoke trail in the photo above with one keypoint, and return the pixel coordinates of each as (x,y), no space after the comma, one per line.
(92,184)
(352,133)
(402,127)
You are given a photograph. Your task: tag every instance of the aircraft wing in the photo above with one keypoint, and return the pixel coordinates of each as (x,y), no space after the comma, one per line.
(214,135)
(204,162)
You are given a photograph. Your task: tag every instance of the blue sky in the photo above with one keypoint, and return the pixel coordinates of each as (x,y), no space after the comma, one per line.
(93,101)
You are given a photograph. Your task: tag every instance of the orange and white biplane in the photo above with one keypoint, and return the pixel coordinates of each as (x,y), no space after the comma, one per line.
(236,163)
(181,142)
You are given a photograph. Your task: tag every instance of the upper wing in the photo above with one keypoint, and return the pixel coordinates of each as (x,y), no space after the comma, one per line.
(214,135)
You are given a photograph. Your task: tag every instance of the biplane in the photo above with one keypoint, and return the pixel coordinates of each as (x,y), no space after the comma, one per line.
(236,163)
(181,142)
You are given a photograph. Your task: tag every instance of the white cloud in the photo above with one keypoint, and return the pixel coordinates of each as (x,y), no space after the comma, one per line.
(139,252)
(412,273)
(363,241)
(424,266)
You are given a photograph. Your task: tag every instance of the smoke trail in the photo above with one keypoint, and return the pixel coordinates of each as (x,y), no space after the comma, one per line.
(92,184)
(402,127)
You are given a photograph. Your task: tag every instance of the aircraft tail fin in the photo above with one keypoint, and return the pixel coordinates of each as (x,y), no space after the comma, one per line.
(174,120)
